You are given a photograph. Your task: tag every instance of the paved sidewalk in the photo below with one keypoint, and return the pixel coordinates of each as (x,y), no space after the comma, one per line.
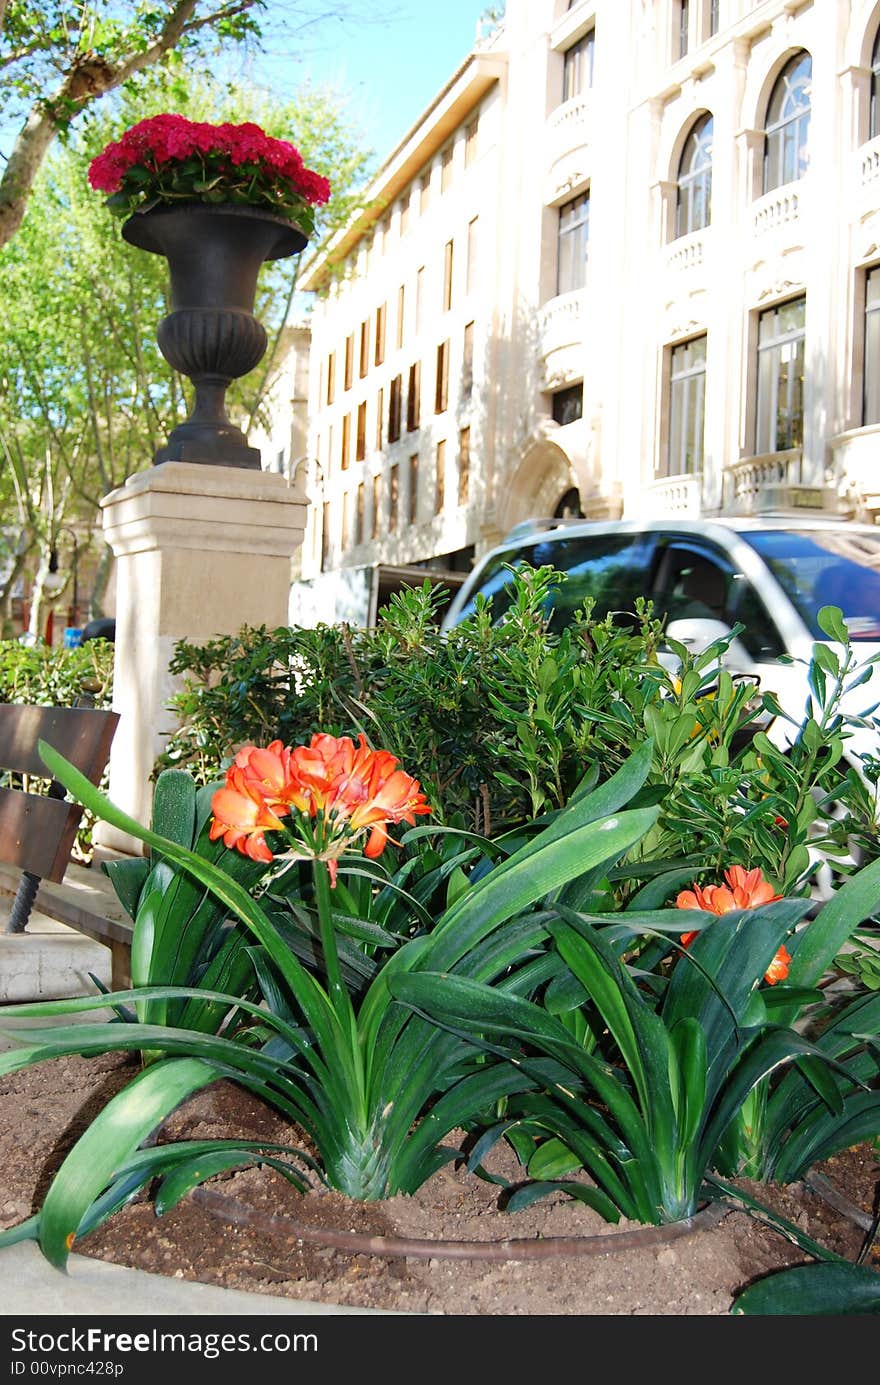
(94,1288)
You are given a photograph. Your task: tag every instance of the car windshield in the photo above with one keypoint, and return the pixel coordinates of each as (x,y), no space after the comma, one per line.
(819,567)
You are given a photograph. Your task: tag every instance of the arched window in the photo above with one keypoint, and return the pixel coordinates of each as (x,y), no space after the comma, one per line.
(874,123)
(786,147)
(569,505)
(694,207)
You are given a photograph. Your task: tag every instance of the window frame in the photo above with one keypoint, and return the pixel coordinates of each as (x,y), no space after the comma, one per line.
(686,399)
(693,203)
(578,66)
(769,350)
(796,121)
(572,244)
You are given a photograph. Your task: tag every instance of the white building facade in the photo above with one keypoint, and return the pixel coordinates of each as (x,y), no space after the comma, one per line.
(626,263)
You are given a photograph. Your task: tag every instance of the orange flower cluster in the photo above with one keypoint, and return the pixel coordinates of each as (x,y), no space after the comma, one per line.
(330,790)
(745,889)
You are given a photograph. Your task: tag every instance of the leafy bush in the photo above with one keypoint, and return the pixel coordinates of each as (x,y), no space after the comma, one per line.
(503,720)
(43,676)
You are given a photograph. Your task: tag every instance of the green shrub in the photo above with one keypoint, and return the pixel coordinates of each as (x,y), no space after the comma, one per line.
(47,677)
(43,676)
(501,721)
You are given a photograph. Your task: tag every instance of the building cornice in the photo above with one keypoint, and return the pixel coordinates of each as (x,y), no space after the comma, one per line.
(463,92)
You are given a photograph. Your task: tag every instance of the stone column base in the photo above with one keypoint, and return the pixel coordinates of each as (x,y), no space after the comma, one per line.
(201,551)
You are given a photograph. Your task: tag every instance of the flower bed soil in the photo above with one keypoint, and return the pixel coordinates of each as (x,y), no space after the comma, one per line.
(44,1108)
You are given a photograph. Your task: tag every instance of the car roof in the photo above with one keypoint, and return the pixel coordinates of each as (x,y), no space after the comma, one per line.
(536,529)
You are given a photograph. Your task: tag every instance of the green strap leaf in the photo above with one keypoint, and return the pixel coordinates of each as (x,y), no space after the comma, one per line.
(808,1290)
(111,1138)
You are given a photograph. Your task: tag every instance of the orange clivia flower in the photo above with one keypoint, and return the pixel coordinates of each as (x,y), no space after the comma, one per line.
(330,790)
(745,889)
(778,968)
(241,816)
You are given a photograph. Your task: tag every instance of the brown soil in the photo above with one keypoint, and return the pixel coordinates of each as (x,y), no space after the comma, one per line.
(42,1109)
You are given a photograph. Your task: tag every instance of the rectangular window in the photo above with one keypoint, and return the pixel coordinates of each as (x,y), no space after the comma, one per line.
(380,411)
(359,515)
(472,253)
(780,412)
(346,441)
(681,43)
(467,362)
(464,465)
(871,392)
(577,69)
(687,407)
(380,334)
(401,305)
(377,501)
(573,240)
(346,520)
(420,298)
(364,353)
(714,6)
(413,403)
(440,478)
(414,488)
(447,277)
(394,408)
(404,213)
(470,142)
(424,192)
(361,441)
(392,497)
(349,361)
(568,405)
(325,536)
(446,168)
(441,389)
(331,376)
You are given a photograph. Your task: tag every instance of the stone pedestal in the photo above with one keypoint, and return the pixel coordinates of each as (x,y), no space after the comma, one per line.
(200,551)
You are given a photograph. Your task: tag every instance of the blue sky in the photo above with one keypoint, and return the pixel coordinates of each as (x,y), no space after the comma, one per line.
(389,56)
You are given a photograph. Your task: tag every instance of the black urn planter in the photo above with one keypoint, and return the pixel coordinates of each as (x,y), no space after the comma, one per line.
(214,254)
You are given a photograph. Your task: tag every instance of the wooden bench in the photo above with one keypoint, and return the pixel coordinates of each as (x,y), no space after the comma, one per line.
(38,830)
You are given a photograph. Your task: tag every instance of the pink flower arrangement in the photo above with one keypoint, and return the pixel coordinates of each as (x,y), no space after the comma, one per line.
(168,159)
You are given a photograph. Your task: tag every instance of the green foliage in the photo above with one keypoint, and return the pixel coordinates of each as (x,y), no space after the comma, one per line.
(503,720)
(355,1074)
(43,676)
(812,1290)
(644,1115)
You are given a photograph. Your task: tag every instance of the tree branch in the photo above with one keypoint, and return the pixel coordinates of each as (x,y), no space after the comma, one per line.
(90,77)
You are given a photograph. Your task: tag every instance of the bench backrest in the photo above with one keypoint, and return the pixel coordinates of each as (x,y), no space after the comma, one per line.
(37,832)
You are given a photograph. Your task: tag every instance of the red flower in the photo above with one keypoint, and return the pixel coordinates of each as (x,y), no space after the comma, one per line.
(187,159)
(745,889)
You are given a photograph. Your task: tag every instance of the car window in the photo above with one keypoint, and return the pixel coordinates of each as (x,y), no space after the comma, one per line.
(818,568)
(760,635)
(611,568)
(694,583)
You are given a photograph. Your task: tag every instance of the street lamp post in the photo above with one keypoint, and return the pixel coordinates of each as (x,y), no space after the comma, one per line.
(73,608)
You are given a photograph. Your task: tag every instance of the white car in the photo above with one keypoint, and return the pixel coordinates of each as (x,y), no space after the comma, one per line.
(771,574)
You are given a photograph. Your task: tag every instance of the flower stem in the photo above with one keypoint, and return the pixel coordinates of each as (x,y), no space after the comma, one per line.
(339,997)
